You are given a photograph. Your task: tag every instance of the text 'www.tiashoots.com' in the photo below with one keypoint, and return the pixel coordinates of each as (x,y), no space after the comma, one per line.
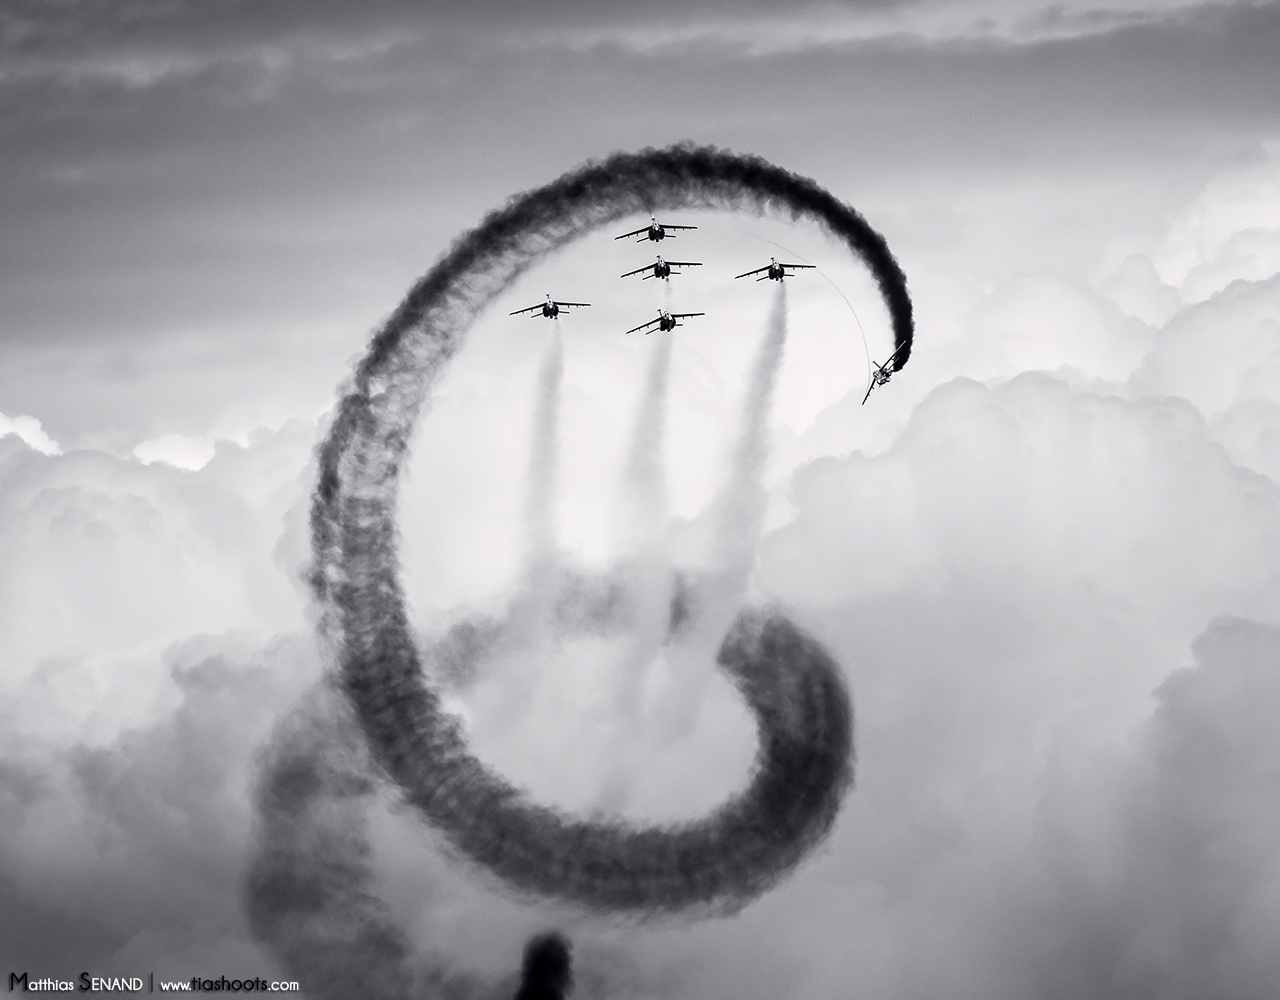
(136,984)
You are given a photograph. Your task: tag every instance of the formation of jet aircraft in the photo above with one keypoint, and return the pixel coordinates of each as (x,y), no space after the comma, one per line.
(662,268)
(775,270)
(654,231)
(551,308)
(664,321)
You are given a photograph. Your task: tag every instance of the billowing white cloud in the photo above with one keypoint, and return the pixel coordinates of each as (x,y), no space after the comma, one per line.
(149,622)
(125,857)
(1062,791)
(1165,865)
(180,450)
(107,561)
(29,429)
(1220,353)
(1229,232)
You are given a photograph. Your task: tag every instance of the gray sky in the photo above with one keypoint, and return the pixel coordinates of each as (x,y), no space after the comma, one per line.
(196,189)
(1044,554)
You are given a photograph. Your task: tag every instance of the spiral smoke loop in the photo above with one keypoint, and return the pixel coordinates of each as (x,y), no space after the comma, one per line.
(804,718)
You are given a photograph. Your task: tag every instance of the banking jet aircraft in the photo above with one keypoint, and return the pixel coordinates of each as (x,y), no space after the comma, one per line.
(664,321)
(551,308)
(775,271)
(655,231)
(881,374)
(662,269)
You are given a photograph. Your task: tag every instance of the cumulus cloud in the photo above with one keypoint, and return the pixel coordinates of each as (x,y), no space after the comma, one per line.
(106,562)
(1051,584)
(149,622)
(1008,584)
(1167,877)
(123,855)
(1229,232)
(1220,353)
(30,431)
(180,450)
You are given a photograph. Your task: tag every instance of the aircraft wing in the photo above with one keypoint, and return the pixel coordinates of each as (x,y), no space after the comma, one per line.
(685,263)
(667,225)
(647,267)
(634,232)
(642,326)
(570,305)
(875,380)
(880,374)
(748,274)
(685,315)
(529,310)
(797,266)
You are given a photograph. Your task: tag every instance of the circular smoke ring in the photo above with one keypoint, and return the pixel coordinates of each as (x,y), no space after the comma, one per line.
(793,687)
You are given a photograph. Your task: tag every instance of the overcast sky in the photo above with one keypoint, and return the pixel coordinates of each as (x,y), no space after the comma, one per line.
(1045,554)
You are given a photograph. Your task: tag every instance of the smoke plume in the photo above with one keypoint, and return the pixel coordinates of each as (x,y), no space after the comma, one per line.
(548,970)
(711,600)
(743,501)
(789,682)
(646,498)
(544,457)
(309,891)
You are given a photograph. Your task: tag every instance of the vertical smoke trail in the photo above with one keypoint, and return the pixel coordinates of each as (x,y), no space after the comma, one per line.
(532,608)
(646,475)
(548,971)
(544,459)
(739,510)
(742,504)
(310,890)
(648,581)
(528,628)
(311,895)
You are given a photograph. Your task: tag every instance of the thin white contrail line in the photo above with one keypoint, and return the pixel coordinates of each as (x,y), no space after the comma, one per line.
(865,348)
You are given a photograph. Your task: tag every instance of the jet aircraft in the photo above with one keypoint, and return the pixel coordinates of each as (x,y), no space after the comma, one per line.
(774,270)
(662,269)
(551,308)
(655,231)
(881,374)
(664,321)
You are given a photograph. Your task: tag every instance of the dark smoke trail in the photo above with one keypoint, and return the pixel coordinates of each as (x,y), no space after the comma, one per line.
(803,766)
(794,689)
(548,969)
(310,887)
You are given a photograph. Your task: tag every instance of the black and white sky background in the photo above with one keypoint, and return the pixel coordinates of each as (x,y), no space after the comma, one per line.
(1047,554)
